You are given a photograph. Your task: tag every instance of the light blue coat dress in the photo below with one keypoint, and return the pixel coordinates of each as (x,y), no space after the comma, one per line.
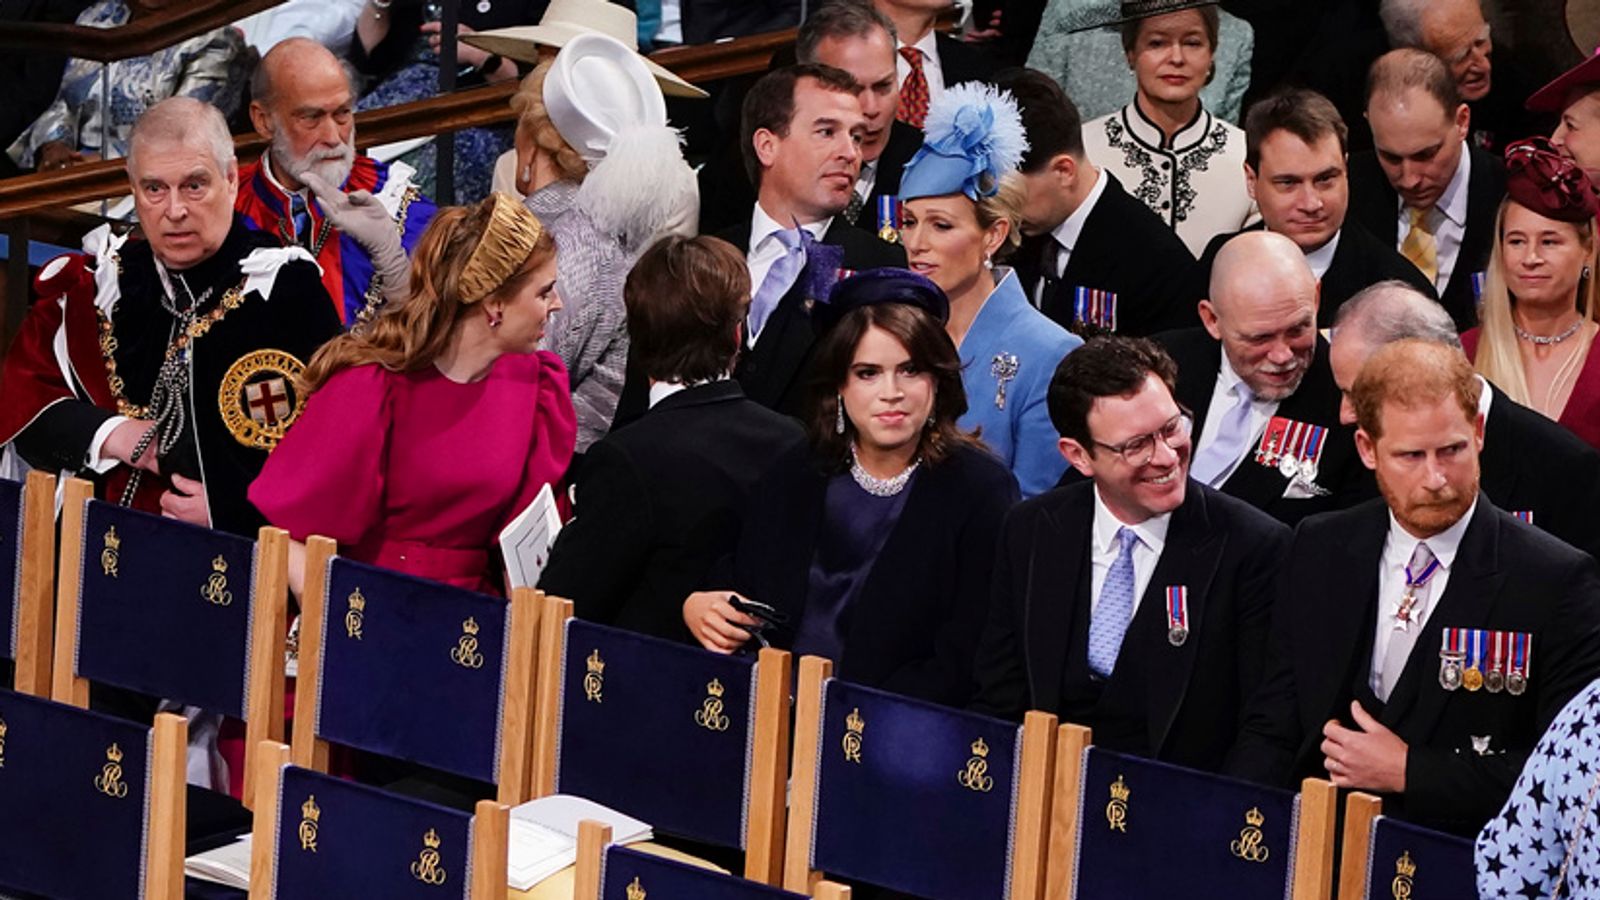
(1012,343)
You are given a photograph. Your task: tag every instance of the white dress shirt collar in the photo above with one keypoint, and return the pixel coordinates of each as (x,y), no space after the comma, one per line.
(1453,202)
(1321,258)
(661,390)
(272,179)
(763,226)
(1485,398)
(1152,532)
(1071,228)
(932,69)
(1444,545)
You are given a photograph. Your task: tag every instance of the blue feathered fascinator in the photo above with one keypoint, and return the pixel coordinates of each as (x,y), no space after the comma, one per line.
(973,135)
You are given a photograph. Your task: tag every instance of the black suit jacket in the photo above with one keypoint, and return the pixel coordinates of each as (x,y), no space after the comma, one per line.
(1191,697)
(961,62)
(1123,248)
(659,503)
(1374,204)
(771,371)
(1359,261)
(1506,577)
(914,627)
(1316,401)
(1531,464)
(904,142)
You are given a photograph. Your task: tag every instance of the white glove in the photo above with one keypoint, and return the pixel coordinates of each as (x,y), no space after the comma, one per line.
(360,215)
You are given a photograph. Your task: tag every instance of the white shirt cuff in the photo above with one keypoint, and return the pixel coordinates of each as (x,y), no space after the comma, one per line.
(102,464)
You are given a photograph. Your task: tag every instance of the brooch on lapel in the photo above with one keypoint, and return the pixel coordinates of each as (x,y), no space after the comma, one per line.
(1004,368)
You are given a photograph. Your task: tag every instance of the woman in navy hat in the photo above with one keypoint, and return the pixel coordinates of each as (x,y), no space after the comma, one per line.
(874,547)
(1540,306)
(954,221)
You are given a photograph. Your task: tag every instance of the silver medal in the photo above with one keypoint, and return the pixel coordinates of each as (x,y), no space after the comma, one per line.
(1176,635)
(1288,466)
(484,6)
(1450,672)
(1308,470)
(1516,683)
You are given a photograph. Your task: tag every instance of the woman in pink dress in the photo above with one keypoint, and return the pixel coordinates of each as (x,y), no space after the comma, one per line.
(427,431)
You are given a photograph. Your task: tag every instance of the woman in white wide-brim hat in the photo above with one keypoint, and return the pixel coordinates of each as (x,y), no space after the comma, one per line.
(604,172)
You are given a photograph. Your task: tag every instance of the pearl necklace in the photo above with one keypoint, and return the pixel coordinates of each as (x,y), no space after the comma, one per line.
(879,487)
(1546,340)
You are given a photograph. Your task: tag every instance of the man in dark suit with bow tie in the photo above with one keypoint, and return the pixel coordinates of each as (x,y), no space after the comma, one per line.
(1530,466)
(1423,641)
(1085,235)
(1256,377)
(1135,601)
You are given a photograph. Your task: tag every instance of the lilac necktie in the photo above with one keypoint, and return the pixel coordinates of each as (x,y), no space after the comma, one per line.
(779,278)
(1232,439)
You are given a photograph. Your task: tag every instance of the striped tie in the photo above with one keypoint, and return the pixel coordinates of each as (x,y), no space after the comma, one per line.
(1420,247)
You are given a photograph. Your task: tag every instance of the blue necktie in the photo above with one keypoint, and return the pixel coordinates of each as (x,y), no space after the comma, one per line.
(302,220)
(779,278)
(1231,441)
(1109,621)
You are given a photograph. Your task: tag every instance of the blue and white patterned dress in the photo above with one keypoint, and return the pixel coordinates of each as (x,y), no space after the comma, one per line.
(1521,852)
(212,67)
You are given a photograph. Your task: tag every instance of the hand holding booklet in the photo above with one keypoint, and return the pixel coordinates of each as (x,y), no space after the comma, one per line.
(525,542)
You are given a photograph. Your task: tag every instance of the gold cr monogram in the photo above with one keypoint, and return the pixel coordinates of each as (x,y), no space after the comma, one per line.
(109,781)
(215,589)
(427,869)
(466,652)
(709,716)
(1117,807)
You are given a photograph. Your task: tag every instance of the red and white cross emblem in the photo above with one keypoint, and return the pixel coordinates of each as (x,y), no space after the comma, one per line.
(268,401)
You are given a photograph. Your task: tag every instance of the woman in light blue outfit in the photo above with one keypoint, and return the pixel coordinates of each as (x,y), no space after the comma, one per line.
(954,218)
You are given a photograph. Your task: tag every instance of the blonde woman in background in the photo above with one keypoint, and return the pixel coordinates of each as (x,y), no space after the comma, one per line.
(1539,312)
(602,170)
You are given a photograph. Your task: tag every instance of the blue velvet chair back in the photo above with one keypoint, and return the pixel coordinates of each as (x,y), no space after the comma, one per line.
(914,797)
(412,669)
(10,564)
(1407,860)
(661,731)
(336,838)
(165,608)
(629,874)
(74,786)
(1149,829)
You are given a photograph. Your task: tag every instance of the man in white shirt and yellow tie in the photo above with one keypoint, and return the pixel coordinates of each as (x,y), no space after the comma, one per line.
(1421,641)
(1424,183)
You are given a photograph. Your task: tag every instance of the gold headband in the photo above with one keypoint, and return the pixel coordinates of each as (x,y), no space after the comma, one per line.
(511,235)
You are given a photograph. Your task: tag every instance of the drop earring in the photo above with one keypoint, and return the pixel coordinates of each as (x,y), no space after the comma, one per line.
(838,420)
(1586,273)
(495,319)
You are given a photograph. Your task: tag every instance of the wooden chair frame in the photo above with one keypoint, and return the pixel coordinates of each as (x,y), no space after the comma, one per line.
(1038,771)
(35,611)
(1360,811)
(491,833)
(269,596)
(764,818)
(1313,866)
(516,712)
(594,837)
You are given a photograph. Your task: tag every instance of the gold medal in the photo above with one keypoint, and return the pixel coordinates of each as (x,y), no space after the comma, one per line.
(1472,679)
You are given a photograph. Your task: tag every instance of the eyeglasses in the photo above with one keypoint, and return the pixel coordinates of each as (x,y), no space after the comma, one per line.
(1139,450)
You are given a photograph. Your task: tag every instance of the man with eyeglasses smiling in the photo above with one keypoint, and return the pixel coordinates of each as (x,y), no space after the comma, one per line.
(1136,600)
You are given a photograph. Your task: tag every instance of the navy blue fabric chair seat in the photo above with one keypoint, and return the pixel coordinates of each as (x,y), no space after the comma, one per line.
(915,797)
(91,806)
(674,735)
(1147,829)
(1385,857)
(415,670)
(317,836)
(629,874)
(171,610)
(27,579)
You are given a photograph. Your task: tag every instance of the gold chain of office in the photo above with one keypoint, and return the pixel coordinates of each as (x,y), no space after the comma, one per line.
(196,330)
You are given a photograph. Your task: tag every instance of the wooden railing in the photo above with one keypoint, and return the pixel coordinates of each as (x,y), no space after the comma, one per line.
(486,105)
(146,31)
